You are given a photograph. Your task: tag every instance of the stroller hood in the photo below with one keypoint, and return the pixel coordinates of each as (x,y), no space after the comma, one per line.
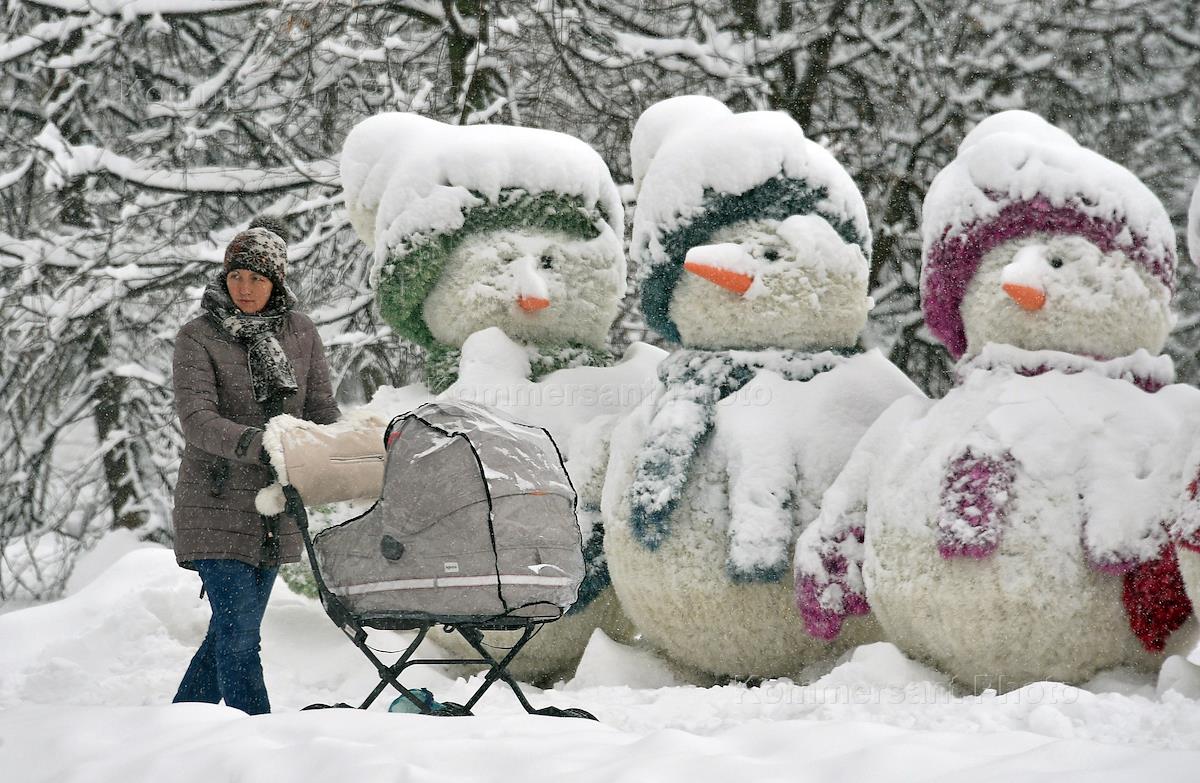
(476,520)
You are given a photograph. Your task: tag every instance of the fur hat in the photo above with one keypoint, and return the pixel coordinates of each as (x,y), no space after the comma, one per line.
(258,250)
(701,176)
(1017,175)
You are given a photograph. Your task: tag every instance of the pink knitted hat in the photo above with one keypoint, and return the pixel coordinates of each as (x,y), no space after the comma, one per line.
(1017,175)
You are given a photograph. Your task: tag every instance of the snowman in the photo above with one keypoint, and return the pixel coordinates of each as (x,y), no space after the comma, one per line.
(1188,528)
(1016,530)
(498,249)
(754,244)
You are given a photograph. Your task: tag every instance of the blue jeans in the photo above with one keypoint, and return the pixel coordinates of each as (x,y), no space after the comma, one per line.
(227,665)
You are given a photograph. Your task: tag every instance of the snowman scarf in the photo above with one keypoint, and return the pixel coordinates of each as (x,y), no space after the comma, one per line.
(271,373)
(695,381)
(1141,368)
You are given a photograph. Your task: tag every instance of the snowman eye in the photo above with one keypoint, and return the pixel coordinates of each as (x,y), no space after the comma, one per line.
(1056,263)
(771,254)
(547,262)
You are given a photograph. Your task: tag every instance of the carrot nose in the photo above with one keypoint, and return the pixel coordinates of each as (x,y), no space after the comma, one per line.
(531,304)
(731,281)
(1028,297)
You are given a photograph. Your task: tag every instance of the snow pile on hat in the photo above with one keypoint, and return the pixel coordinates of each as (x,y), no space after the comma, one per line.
(416,188)
(1016,175)
(661,120)
(699,168)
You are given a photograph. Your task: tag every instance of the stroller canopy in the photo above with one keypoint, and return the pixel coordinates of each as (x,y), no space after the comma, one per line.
(476,520)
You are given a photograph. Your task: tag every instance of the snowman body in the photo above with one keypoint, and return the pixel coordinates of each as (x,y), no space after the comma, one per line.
(711,593)
(1010,519)
(1189,568)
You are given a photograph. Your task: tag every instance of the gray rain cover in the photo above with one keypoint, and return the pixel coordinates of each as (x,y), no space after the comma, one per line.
(476,519)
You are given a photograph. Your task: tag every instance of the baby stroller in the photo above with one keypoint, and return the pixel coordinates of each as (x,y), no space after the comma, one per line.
(475,530)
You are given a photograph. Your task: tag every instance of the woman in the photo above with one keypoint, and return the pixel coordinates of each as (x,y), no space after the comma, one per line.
(249,357)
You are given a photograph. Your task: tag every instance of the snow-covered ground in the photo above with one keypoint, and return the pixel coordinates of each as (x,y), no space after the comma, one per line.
(85,686)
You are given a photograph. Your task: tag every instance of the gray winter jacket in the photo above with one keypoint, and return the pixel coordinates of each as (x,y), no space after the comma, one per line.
(220,474)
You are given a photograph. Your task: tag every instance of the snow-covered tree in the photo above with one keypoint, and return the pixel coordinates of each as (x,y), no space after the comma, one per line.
(139,135)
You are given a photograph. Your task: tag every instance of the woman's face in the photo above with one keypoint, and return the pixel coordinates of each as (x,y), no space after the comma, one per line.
(248,290)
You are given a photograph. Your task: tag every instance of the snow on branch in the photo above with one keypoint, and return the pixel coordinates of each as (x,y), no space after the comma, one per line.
(9,178)
(42,34)
(329,314)
(132,8)
(98,41)
(69,161)
(205,91)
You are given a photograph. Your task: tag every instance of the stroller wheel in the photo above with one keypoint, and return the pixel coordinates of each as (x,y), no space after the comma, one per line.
(575,712)
(570,712)
(340,705)
(449,709)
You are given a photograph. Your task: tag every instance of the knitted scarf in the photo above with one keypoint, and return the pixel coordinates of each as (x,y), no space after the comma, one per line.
(695,381)
(1141,368)
(271,373)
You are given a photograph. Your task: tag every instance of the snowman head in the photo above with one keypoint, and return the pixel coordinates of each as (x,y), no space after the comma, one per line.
(542,268)
(792,283)
(542,287)
(486,226)
(749,235)
(1034,241)
(1063,292)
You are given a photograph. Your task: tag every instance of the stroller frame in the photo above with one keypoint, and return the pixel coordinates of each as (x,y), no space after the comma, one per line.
(471,629)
